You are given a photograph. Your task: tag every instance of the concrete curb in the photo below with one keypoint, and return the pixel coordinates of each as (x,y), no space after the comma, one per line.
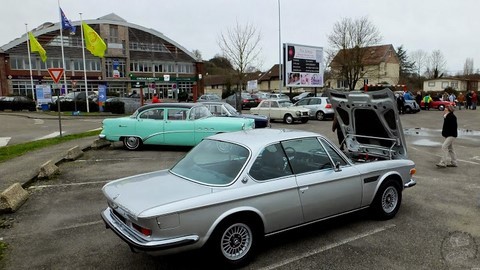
(15,196)
(12,198)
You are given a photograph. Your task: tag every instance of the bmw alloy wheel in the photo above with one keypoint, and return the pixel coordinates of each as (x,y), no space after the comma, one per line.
(389,199)
(236,241)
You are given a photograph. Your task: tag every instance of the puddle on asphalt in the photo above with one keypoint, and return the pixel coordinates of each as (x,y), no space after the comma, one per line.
(426,133)
(436,132)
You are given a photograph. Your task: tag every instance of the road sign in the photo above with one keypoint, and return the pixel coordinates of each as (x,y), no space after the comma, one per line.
(56,73)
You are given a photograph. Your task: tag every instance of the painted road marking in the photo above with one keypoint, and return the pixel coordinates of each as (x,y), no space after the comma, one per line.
(38,121)
(4,141)
(51,135)
(327,247)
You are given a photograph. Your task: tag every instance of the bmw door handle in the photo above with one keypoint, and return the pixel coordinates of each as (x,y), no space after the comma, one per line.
(302,190)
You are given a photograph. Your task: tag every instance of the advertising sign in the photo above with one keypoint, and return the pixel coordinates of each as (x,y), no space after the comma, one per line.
(43,93)
(252,85)
(303,65)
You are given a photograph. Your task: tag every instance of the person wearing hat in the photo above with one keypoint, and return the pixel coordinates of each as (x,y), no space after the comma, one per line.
(450,133)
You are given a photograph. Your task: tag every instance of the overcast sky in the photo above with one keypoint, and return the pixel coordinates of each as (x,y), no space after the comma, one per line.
(428,25)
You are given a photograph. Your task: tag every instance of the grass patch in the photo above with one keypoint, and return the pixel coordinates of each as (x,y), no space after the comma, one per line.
(12,151)
(3,247)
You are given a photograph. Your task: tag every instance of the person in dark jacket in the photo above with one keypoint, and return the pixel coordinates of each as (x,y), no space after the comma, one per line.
(450,133)
(336,127)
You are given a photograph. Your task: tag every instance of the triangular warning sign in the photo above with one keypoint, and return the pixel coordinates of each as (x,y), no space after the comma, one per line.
(55,73)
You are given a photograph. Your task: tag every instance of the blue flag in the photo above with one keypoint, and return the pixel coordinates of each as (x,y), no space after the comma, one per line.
(66,23)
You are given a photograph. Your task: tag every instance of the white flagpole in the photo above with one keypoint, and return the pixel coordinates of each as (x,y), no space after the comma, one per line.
(63,54)
(84,64)
(30,63)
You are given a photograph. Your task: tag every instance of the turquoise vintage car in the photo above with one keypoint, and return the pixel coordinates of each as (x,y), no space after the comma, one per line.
(184,124)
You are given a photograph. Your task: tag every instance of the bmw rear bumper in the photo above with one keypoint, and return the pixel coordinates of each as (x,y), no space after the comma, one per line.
(138,243)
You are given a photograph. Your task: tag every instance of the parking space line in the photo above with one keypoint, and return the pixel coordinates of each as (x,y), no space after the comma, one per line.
(70,184)
(55,230)
(327,247)
(4,141)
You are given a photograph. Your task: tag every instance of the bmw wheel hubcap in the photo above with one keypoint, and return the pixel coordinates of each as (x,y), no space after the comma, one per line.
(236,241)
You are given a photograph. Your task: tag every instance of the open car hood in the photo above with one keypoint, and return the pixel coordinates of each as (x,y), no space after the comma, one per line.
(370,123)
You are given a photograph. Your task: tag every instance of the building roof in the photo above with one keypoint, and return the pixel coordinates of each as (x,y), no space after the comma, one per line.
(373,56)
(50,29)
(271,74)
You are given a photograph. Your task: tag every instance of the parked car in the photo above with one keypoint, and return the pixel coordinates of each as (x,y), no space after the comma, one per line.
(184,124)
(247,100)
(437,103)
(411,106)
(209,97)
(261,95)
(302,95)
(79,96)
(278,96)
(226,110)
(320,108)
(233,189)
(17,103)
(281,109)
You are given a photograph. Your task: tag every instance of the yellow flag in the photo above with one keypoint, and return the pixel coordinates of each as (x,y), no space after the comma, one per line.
(93,41)
(36,47)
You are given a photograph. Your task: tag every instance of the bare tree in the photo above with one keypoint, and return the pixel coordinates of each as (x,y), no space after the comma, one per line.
(348,41)
(468,67)
(436,65)
(419,58)
(241,45)
(198,55)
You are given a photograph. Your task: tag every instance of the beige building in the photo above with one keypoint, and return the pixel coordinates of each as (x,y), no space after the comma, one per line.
(380,65)
(458,84)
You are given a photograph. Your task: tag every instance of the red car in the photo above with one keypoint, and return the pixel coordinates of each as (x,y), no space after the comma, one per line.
(437,104)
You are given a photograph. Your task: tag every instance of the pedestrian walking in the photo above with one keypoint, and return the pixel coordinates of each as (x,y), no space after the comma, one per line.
(474,100)
(426,101)
(468,96)
(450,133)
(460,100)
(155,98)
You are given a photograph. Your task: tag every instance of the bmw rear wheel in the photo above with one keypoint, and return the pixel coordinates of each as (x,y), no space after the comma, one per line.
(234,242)
(132,143)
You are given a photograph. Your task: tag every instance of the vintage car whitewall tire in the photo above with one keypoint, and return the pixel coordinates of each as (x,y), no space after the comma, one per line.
(288,119)
(387,200)
(132,142)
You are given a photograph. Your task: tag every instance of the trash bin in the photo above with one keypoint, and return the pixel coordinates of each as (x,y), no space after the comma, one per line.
(44,107)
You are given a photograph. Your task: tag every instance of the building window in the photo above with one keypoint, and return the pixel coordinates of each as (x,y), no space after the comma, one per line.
(444,85)
(147,47)
(431,84)
(93,65)
(454,85)
(115,68)
(113,34)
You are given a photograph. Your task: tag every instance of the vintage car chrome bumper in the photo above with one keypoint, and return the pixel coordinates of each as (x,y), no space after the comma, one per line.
(102,136)
(137,243)
(410,183)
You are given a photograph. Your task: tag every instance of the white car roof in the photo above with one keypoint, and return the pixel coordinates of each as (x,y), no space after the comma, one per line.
(258,138)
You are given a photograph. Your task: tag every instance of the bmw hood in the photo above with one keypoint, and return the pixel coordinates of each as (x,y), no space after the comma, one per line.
(370,122)
(140,193)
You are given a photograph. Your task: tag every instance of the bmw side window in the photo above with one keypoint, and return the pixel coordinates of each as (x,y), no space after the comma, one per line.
(333,154)
(271,163)
(306,155)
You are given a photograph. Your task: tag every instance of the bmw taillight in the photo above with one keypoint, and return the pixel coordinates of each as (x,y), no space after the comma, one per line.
(142,230)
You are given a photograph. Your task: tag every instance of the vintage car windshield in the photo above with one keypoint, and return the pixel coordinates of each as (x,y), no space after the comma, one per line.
(230,109)
(285,103)
(212,163)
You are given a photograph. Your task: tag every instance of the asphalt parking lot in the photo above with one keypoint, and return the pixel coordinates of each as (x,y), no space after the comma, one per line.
(437,227)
